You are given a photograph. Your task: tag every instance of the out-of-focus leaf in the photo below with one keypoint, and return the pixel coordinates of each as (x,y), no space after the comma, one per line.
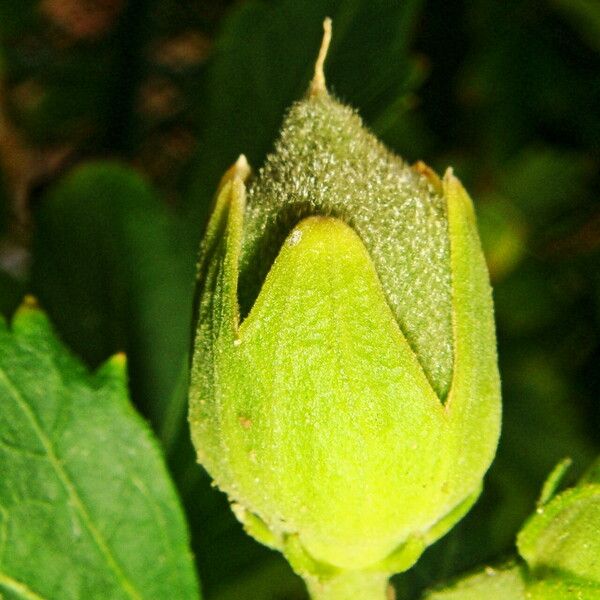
(585,15)
(516,314)
(503,235)
(546,400)
(112,267)
(87,509)
(542,182)
(12,289)
(4,200)
(525,79)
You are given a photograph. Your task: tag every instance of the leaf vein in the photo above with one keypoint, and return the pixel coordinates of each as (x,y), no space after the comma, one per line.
(70,488)
(18,587)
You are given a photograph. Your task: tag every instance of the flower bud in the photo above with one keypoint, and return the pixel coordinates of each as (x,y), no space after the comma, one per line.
(344,391)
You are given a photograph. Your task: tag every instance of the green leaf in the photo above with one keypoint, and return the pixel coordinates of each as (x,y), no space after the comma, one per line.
(86,506)
(563,536)
(562,588)
(553,481)
(544,181)
(112,267)
(585,16)
(503,235)
(505,583)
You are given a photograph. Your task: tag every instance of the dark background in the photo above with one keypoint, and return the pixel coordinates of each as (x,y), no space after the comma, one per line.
(117,119)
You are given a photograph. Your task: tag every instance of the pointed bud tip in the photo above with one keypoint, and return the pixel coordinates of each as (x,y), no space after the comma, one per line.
(242,168)
(318,85)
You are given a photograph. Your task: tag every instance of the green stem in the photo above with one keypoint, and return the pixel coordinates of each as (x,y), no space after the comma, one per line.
(350,585)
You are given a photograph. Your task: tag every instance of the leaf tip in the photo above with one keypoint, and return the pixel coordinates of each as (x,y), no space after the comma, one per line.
(29,302)
(117,362)
(29,310)
(553,481)
(114,369)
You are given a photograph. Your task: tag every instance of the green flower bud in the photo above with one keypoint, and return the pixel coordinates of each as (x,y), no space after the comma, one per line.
(344,387)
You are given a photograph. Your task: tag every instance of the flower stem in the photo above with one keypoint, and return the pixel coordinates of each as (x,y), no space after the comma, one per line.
(350,585)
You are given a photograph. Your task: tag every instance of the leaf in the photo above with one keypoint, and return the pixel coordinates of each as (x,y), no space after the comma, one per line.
(505,583)
(112,267)
(560,544)
(86,506)
(544,181)
(585,16)
(553,481)
(503,235)
(563,536)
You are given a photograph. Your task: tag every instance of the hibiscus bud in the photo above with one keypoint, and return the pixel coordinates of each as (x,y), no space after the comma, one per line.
(344,388)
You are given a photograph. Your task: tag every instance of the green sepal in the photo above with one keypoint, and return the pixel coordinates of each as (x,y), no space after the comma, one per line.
(473,402)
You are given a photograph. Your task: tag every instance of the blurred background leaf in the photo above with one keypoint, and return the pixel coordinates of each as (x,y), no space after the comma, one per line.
(110,266)
(173,92)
